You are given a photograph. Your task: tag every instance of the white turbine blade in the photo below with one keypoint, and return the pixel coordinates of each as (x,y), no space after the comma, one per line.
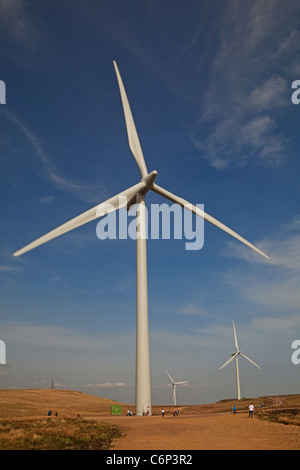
(252,362)
(133,139)
(235,338)
(114,203)
(170,377)
(197,211)
(180,383)
(231,359)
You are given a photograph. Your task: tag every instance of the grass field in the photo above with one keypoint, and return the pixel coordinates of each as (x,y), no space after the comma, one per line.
(56,434)
(82,422)
(25,424)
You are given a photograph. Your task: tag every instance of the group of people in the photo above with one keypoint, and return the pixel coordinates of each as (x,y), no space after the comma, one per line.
(49,412)
(175,412)
(251,410)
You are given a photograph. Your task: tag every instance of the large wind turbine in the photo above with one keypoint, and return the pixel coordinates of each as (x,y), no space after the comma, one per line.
(135,195)
(174,385)
(235,356)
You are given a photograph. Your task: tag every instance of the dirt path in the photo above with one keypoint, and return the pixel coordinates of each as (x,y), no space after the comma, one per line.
(213,432)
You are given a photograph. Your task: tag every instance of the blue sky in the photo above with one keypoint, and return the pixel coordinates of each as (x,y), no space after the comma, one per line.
(209,84)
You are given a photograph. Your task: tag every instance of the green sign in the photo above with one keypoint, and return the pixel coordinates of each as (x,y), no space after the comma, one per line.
(116,409)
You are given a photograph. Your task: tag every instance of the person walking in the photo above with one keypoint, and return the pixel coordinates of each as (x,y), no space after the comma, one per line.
(163,413)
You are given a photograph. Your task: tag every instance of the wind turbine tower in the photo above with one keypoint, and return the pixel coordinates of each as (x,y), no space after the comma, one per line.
(135,195)
(235,356)
(174,385)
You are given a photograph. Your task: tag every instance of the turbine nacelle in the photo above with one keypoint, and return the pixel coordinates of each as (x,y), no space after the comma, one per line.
(148,180)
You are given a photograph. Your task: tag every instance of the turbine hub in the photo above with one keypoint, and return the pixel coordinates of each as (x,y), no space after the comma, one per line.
(149,179)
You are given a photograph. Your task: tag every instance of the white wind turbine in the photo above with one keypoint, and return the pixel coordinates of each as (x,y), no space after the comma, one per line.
(135,195)
(174,385)
(235,356)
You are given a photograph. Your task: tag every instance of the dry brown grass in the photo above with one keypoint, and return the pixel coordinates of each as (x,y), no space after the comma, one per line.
(24,421)
(36,402)
(272,404)
(53,433)
(284,416)
(26,425)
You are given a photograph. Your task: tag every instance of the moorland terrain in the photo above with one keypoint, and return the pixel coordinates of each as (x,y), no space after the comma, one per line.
(82,421)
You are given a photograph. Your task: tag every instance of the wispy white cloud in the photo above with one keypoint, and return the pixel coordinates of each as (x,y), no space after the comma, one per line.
(259,134)
(277,285)
(289,44)
(187,385)
(248,86)
(16,21)
(283,248)
(193,309)
(107,385)
(25,38)
(90,192)
(8,268)
(22,333)
(289,323)
(280,294)
(46,199)
(269,95)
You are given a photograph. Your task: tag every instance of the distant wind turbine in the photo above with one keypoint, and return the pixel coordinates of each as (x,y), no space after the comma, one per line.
(135,195)
(235,356)
(174,385)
